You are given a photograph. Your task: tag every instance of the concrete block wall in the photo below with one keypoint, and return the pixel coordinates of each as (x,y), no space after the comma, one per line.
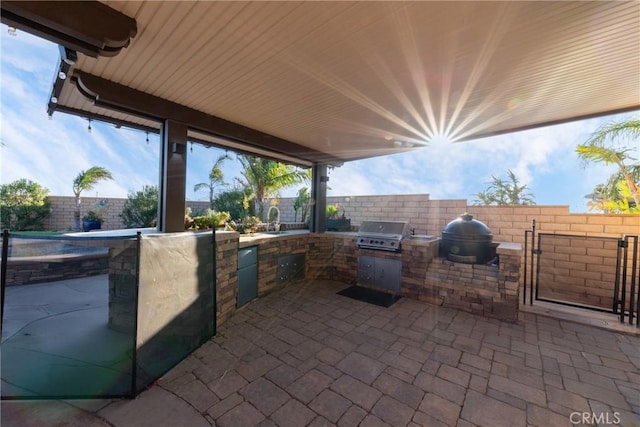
(579,269)
(287,213)
(507,223)
(63,208)
(426,216)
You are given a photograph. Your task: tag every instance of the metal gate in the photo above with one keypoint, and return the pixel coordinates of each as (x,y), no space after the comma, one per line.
(590,272)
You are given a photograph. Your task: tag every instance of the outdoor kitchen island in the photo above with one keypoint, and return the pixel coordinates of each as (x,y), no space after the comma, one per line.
(487,290)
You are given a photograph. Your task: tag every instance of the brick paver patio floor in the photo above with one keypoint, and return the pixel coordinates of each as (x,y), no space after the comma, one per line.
(306,356)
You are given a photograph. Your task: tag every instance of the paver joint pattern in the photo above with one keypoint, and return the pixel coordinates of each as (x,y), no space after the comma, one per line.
(306,356)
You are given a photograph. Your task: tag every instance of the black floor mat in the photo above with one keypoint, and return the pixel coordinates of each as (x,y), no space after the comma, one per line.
(371,296)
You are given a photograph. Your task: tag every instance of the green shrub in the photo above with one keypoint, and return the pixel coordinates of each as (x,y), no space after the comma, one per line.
(201,223)
(23,205)
(211,219)
(248,225)
(141,208)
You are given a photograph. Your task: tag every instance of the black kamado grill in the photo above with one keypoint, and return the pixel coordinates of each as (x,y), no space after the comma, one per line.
(467,240)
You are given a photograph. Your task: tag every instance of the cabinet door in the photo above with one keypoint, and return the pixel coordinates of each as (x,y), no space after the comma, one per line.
(387,273)
(247,284)
(283,271)
(247,256)
(290,267)
(366,269)
(297,266)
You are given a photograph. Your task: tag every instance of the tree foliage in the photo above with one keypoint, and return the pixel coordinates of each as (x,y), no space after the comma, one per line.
(620,194)
(266,177)
(216,179)
(614,196)
(23,205)
(141,208)
(85,181)
(505,192)
(236,202)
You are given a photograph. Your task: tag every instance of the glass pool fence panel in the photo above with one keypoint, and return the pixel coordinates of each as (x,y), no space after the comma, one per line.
(68,316)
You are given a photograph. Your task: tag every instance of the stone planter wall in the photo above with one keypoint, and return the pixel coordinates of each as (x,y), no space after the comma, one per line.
(50,268)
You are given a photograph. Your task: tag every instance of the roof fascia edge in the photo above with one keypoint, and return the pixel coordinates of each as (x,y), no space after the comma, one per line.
(112,95)
(551,123)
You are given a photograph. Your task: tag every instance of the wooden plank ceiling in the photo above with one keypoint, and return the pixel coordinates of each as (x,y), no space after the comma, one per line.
(362,79)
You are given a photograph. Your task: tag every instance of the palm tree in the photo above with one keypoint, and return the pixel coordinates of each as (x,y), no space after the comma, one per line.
(85,181)
(216,178)
(266,177)
(614,196)
(502,192)
(302,202)
(596,150)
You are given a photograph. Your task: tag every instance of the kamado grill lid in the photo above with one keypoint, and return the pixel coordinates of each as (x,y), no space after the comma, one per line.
(467,228)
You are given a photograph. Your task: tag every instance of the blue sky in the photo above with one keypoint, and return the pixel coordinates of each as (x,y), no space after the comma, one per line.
(53,151)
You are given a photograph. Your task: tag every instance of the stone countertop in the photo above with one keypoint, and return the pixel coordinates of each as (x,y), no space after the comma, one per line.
(245,240)
(253,239)
(420,240)
(507,248)
(263,237)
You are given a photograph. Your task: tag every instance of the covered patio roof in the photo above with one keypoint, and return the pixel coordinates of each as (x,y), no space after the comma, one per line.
(329,82)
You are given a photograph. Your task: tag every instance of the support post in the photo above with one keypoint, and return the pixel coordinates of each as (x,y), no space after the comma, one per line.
(320,177)
(173,177)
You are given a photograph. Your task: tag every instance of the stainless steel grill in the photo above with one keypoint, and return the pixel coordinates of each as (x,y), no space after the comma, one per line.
(382,235)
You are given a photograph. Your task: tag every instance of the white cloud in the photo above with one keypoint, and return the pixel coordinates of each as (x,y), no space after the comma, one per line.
(347,181)
(544,159)
(53,151)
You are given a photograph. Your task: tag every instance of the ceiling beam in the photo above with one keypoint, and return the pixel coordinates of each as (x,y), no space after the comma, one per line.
(89,27)
(107,94)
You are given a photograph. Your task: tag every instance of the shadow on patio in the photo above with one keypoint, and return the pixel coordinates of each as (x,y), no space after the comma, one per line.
(306,356)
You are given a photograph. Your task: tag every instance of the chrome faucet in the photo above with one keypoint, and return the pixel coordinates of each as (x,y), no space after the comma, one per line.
(276,223)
